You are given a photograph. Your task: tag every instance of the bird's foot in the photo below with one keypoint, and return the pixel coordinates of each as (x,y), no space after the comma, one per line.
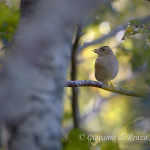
(108,83)
(111,84)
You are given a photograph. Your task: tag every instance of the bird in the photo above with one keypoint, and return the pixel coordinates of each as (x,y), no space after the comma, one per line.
(106,65)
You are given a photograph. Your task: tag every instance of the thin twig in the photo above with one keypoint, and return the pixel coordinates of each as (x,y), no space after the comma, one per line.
(105,87)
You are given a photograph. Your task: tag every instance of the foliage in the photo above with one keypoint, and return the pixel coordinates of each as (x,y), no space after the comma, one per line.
(77,140)
(140,59)
(136,27)
(110,145)
(9,19)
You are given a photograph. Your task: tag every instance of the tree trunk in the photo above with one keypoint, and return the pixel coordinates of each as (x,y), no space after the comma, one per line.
(33,74)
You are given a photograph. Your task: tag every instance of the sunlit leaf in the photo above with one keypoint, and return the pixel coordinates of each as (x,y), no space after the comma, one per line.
(136,27)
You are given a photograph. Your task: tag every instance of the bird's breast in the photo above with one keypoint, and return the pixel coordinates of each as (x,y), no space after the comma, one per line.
(106,68)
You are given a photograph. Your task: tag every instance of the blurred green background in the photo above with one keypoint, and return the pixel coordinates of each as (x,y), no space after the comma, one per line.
(103,113)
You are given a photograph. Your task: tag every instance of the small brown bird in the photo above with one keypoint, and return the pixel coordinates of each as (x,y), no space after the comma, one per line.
(106,65)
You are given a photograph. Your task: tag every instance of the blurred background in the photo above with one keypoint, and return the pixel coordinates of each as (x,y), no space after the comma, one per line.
(103,113)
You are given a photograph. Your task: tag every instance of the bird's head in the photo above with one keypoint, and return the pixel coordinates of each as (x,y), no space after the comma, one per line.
(104,50)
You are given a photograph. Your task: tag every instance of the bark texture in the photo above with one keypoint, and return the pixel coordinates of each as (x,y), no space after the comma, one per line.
(34,72)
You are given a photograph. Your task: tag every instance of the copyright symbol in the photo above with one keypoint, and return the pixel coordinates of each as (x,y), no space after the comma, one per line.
(81,137)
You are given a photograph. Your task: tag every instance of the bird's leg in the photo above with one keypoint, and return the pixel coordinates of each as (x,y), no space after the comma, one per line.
(111,84)
(108,83)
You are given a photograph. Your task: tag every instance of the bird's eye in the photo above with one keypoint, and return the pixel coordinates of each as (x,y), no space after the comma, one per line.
(103,49)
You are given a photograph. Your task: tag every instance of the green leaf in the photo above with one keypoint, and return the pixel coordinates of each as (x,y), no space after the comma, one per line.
(9,19)
(109,146)
(77,140)
(135,22)
(136,27)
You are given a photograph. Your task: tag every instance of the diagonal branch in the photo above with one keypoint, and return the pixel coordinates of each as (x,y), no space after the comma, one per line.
(105,37)
(112,33)
(105,87)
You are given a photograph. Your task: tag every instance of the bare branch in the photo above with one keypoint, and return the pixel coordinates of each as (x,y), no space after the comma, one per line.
(112,33)
(105,87)
(105,37)
(75,108)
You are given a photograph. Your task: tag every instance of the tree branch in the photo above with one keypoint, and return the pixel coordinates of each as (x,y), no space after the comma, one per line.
(105,37)
(75,109)
(105,87)
(112,33)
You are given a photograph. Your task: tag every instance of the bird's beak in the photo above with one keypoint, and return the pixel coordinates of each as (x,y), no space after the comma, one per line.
(95,50)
